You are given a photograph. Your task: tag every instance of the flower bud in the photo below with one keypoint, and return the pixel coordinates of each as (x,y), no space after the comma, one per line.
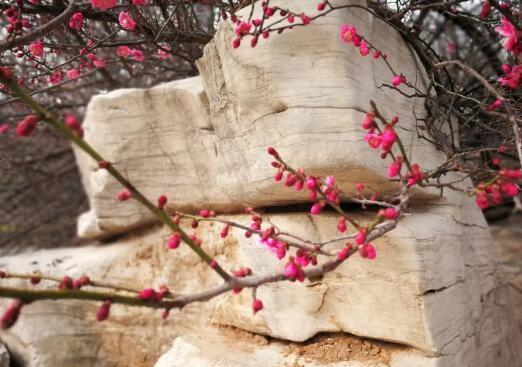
(272,151)
(367,251)
(11,314)
(278,175)
(26,127)
(317,208)
(124,195)
(204,213)
(104,310)
(148,294)
(257,305)
(81,282)
(390,213)
(162,200)
(341,225)
(103,164)
(361,236)
(224,231)
(66,283)
(5,74)
(344,253)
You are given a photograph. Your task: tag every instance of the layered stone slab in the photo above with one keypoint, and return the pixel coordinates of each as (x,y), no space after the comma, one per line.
(161,139)
(233,348)
(433,288)
(508,238)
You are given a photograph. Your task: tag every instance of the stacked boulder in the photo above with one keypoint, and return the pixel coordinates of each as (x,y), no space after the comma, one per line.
(431,298)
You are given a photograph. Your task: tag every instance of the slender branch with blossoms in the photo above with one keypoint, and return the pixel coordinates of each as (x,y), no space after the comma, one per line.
(303,263)
(72,132)
(505,181)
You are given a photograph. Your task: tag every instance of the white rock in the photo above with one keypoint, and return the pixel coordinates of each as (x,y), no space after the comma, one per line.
(162,141)
(228,349)
(5,358)
(65,333)
(202,141)
(433,288)
(305,93)
(507,235)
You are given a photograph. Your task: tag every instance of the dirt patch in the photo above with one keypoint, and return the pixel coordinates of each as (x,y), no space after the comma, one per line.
(241,335)
(341,347)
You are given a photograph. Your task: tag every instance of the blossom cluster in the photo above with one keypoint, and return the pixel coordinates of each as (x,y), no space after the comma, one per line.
(17,22)
(26,126)
(513,76)
(504,184)
(256,27)
(510,34)
(109,4)
(126,51)
(385,139)
(36,51)
(348,34)
(329,194)
(512,43)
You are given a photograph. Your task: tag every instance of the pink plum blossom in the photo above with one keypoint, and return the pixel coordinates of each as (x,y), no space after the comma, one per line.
(482,200)
(485,10)
(363,49)
(103,4)
(348,34)
(126,21)
(374,140)
(510,34)
(513,76)
(123,51)
(137,55)
(76,21)
(495,105)
(395,167)
(73,74)
(398,80)
(37,48)
(56,77)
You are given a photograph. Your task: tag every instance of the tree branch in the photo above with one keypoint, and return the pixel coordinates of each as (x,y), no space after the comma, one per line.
(40,31)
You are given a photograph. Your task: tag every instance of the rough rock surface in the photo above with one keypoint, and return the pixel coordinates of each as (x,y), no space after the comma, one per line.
(50,334)
(202,141)
(5,358)
(161,138)
(233,348)
(433,287)
(508,240)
